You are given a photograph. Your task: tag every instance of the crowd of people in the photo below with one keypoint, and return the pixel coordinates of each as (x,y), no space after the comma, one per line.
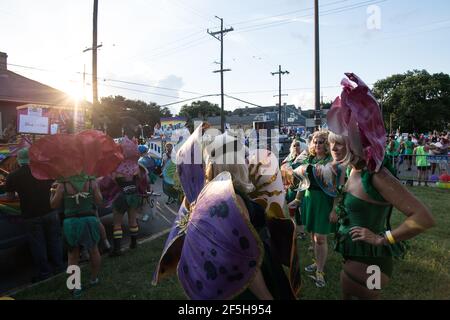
(238,222)
(428,153)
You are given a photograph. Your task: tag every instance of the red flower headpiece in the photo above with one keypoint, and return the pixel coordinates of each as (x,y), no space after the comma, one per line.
(356,115)
(89,152)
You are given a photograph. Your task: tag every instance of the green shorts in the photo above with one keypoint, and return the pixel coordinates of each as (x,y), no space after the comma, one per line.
(81,232)
(124,202)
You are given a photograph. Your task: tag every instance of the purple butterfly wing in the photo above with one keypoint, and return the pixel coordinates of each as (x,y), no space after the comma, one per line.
(221,249)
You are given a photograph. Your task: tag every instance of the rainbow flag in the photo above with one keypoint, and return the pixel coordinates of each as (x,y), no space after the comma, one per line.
(10,206)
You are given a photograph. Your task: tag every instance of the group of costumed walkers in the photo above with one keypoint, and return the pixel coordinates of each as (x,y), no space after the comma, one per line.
(90,171)
(231,237)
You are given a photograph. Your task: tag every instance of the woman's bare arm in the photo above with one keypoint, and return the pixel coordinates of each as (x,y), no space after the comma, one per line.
(419,217)
(98,199)
(56,196)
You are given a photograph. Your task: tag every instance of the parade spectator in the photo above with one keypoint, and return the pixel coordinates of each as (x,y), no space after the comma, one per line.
(393,150)
(167,154)
(42,223)
(409,149)
(420,153)
(10,132)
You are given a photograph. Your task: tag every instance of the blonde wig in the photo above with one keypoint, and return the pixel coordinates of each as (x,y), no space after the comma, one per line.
(319,135)
(350,158)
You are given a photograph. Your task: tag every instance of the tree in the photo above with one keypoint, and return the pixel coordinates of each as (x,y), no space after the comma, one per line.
(200,109)
(114,113)
(327,105)
(416,100)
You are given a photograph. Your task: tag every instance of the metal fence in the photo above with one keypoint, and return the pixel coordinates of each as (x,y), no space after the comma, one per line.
(437,165)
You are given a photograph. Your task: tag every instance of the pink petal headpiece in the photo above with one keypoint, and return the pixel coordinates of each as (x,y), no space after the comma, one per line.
(356,115)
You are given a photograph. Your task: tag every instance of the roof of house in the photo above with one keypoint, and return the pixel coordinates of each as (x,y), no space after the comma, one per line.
(233,120)
(17,88)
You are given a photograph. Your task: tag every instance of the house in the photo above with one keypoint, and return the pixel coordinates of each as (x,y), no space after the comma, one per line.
(290,115)
(244,117)
(17,90)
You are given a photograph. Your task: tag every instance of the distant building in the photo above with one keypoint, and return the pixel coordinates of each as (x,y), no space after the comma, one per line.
(16,90)
(244,117)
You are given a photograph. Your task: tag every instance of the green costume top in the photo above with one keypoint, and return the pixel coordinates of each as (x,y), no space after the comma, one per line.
(81,202)
(81,226)
(353,212)
(409,147)
(394,151)
(421,157)
(316,204)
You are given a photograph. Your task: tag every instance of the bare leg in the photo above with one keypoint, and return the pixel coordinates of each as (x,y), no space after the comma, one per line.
(320,251)
(259,288)
(73,256)
(355,286)
(102,231)
(95,261)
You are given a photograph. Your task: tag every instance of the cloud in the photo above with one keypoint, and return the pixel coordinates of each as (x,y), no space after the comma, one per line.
(173,82)
(304,99)
(305,39)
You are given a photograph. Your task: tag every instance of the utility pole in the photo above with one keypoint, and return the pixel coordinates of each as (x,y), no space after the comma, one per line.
(222,32)
(94,58)
(84,82)
(279,73)
(317,65)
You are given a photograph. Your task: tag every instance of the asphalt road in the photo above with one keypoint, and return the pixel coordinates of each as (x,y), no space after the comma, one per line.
(16,267)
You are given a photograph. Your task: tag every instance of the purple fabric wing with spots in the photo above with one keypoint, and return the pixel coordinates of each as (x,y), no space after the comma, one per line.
(192,177)
(190,166)
(170,256)
(221,249)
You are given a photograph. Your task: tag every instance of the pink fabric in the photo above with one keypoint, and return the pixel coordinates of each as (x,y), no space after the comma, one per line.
(64,155)
(357,116)
(129,166)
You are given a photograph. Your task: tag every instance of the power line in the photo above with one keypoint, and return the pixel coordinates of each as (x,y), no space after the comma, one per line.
(185,100)
(286,13)
(256,105)
(141,91)
(221,33)
(294,19)
(108,79)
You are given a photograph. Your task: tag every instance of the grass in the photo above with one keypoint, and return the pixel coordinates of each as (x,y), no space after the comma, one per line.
(423,274)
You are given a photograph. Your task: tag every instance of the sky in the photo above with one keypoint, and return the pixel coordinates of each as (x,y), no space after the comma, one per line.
(160,51)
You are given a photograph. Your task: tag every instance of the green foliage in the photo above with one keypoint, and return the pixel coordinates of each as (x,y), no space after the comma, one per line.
(115,112)
(417,100)
(200,109)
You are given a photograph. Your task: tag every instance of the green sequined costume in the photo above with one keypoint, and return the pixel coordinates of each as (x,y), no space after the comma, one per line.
(352,212)
(316,204)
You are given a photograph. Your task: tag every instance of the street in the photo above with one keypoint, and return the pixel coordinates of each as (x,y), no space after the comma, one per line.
(16,264)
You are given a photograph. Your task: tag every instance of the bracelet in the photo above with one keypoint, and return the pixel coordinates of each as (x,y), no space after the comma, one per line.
(389,237)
